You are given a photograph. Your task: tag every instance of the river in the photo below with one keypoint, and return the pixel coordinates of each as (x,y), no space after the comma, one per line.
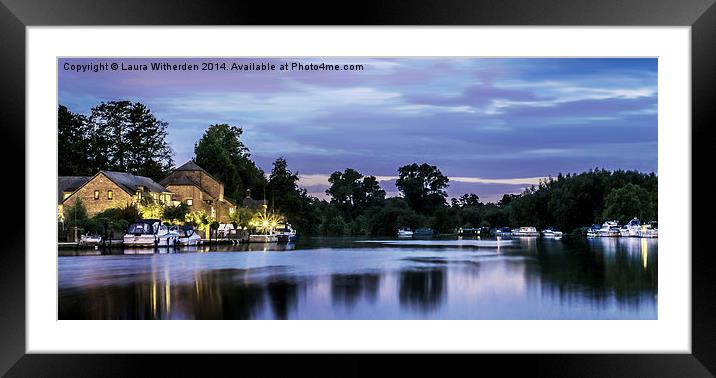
(357,278)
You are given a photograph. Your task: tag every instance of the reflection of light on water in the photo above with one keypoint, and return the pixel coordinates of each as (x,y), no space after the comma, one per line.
(167,291)
(154,298)
(644,251)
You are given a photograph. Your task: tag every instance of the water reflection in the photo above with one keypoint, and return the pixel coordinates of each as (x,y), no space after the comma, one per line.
(422,288)
(347,289)
(608,278)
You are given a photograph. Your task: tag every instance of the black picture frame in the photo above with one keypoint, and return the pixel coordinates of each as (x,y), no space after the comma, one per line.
(16,15)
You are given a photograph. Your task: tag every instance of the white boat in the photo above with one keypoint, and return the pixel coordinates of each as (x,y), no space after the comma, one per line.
(551,233)
(90,239)
(405,233)
(263,238)
(525,231)
(650,230)
(150,233)
(593,231)
(609,229)
(285,233)
(631,229)
(187,235)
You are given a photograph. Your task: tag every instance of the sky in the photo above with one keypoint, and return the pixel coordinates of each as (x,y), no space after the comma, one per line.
(493,126)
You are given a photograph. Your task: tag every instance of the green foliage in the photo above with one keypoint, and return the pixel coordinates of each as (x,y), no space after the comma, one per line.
(423,187)
(627,202)
(117,136)
(288,199)
(221,152)
(175,214)
(76,215)
(579,200)
(352,193)
(241,217)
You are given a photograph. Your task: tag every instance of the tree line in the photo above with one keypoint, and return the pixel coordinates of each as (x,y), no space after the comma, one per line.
(125,136)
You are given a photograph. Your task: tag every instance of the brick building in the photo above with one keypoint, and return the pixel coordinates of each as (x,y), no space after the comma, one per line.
(195,187)
(107,189)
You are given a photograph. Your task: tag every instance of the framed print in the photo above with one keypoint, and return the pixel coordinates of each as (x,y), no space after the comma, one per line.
(453,183)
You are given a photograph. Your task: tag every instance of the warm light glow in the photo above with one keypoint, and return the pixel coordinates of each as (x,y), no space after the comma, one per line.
(644,252)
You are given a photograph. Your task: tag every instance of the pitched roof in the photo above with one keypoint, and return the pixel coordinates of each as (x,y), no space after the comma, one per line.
(179,180)
(190,166)
(69,184)
(130,182)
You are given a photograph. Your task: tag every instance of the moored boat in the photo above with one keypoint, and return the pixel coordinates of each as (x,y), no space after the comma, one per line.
(631,229)
(263,238)
(525,231)
(285,233)
(90,239)
(650,230)
(551,233)
(187,235)
(609,229)
(423,233)
(503,232)
(405,233)
(150,233)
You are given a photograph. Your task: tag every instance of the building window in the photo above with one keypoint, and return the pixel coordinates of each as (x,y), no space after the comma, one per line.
(110,194)
(96,194)
(189,202)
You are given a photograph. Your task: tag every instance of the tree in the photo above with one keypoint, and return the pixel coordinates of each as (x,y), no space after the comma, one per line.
(627,202)
(352,193)
(289,199)
(241,217)
(466,200)
(127,137)
(176,214)
(422,186)
(72,144)
(221,152)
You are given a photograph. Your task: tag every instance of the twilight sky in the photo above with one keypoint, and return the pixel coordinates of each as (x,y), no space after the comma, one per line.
(493,126)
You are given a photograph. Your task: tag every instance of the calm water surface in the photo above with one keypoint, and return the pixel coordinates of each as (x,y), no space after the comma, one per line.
(531,278)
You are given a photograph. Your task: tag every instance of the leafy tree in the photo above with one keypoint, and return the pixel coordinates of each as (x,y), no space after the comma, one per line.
(466,200)
(626,202)
(241,217)
(289,199)
(176,214)
(352,193)
(127,137)
(73,144)
(221,152)
(423,187)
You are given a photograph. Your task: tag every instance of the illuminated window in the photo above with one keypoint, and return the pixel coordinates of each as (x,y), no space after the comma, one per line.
(96,194)
(189,201)
(110,194)
(66,195)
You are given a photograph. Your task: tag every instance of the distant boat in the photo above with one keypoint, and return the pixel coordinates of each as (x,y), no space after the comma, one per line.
(263,238)
(150,233)
(468,232)
(90,239)
(551,233)
(525,231)
(650,230)
(285,233)
(405,233)
(632,228)
(609,229)
(423,233)
(593,230)
(504,231)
